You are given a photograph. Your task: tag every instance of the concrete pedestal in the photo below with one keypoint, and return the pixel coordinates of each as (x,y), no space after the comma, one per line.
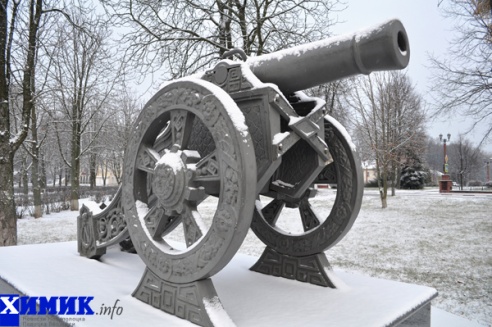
(249,298)
(445,184)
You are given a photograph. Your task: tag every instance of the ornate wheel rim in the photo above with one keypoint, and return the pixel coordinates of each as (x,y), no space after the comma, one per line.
(317,235)
(163,186)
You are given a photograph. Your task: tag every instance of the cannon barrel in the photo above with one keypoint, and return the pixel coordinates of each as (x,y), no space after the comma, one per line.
(382,47)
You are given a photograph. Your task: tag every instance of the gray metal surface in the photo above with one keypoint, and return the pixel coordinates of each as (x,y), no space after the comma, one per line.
(163,185)
(312,269)
(188,301)
(382,47)
(318,234)
(192,141)
(96,232)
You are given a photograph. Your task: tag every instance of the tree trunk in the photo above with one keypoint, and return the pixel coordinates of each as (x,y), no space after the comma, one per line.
(20,173)
(67,175)
(74,178)
(93,170)
(60,176)
(398,176)
(28,94)
(8,219)
(75,164)
(104,171)
(44,180)
(36,190)
(394,180)
(383,189)
(384,201)
(384,195)
(25,177)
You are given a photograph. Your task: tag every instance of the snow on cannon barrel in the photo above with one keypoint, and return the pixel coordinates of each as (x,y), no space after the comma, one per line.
(382,47)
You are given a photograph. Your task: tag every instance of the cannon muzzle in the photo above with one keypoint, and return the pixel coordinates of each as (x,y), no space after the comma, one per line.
(382,47)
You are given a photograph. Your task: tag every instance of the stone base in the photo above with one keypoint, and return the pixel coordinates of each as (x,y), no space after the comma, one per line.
(445,184)
(421,318)
(314,269)
(191,301)
(250,299)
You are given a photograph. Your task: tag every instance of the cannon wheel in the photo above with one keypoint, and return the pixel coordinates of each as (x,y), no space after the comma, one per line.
(165,181)
(318,235)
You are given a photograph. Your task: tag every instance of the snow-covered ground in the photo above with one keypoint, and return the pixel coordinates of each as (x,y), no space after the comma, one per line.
(441,241)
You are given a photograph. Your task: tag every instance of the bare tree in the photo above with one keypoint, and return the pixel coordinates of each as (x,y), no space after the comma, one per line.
(115,135)
(38,130)
(9,144)
(334,94)
(465,161)
(463,79)
(406,125)
(85,75)
(186,35)
(390,121)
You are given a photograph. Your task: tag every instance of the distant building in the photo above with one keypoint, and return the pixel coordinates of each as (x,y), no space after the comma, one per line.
(369,171)
(110,178)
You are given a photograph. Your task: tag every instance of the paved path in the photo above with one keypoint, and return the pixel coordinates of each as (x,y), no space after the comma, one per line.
(429,192)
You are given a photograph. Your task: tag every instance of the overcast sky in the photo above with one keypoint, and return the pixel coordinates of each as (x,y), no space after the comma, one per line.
(428,32)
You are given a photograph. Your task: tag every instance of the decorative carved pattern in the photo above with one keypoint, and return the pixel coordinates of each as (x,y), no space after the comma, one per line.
(86,234)
(253,115)
(327,176)
(320,236)
(309,269)
(229,77)
(208,167)
(297,163)
(272,211)
(186,301)
(96,232)
(231,163)
(111,222)
(201,140)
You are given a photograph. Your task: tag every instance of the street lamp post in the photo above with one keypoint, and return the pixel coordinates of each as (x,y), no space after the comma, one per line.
(445,185)
(445,163)
(487,168)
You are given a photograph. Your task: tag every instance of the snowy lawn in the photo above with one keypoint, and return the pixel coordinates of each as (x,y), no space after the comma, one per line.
(441,241)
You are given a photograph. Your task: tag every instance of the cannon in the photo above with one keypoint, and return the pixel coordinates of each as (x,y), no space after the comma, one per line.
(240,146)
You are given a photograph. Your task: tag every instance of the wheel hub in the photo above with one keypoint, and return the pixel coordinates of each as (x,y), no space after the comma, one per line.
(169,181)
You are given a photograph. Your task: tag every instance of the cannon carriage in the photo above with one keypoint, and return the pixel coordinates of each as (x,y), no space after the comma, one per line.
(244,135)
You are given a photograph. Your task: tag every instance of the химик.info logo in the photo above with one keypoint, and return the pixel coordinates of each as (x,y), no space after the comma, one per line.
(9,310)
(12,306)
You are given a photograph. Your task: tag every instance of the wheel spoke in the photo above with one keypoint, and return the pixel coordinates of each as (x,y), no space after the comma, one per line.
(193,226)
(157,222)
(208,174)
(163,140)
(308,216)
(181,126)
(272,211)
(146,159)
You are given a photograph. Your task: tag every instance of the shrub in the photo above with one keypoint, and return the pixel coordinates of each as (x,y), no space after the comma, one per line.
(98,196)
(412,178)
(372,183)
(57,198)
